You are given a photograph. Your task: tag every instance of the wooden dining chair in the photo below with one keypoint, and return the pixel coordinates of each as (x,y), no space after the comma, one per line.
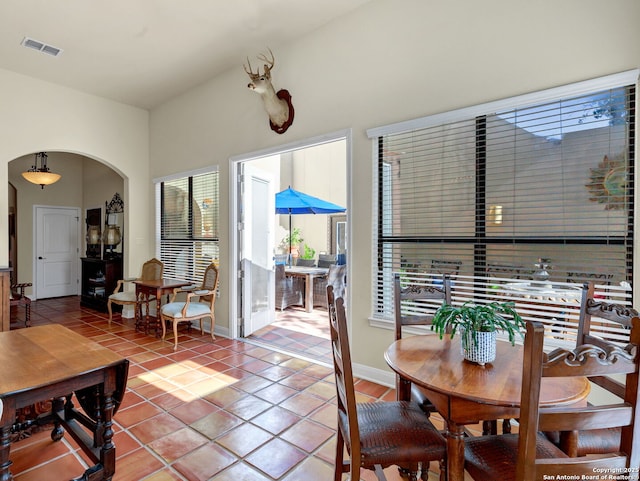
(529,455)
(414,305)
(198,305)
(151,270)
(376,434)
(600,440)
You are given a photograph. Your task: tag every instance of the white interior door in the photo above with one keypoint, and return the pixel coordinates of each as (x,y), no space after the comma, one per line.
(256,252)
(56,251)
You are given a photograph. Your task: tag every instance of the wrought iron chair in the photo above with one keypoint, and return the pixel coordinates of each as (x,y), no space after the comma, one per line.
(151,270)
(376,434)
(529,454)
(198,305)
(440,266)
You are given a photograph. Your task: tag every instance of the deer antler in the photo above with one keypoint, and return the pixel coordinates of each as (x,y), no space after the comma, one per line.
(250,71)
(271,62)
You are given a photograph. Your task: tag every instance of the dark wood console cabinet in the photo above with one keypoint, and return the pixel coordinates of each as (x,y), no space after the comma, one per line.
(99,279)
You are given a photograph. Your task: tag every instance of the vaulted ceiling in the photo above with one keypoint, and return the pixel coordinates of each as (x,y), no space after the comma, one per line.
(143,52)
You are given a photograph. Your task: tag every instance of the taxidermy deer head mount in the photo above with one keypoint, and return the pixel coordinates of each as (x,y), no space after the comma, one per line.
(278,105)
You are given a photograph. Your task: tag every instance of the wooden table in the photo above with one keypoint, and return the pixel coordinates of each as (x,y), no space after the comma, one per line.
(147,289)
(309,274)
(53,362)
(466,393)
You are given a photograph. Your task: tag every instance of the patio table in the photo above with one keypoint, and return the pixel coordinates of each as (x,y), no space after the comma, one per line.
(309,274)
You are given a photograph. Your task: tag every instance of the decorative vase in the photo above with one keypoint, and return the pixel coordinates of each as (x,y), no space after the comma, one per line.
(481,349)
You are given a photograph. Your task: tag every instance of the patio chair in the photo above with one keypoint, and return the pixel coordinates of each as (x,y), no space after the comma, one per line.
(336,277)
(198,305)
(376,434)
(528,454)
(306,262)
(289,290)
(327,260)
(151,270)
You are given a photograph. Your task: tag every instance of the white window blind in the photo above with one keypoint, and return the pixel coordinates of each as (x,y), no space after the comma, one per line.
(497,196)
(189,220)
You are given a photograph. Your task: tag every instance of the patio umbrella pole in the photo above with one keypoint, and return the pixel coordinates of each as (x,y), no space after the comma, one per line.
(290,254)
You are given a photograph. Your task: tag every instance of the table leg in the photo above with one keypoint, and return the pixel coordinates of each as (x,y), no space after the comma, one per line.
(455,451)
(308,293)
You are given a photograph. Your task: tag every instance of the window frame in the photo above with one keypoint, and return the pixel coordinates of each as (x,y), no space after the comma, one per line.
(194,271)
(380,289)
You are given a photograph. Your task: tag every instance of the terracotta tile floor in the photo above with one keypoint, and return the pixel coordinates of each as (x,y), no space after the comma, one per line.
(223,410)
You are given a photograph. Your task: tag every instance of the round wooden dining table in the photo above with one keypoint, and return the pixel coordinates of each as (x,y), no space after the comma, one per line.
(467,393)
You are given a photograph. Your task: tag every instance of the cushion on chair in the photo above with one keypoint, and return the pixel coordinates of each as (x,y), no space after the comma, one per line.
(406,429)
(126,296)
(495,457)
(174,309)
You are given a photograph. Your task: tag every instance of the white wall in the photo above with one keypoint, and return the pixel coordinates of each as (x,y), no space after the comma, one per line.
(38,116)
(388,61)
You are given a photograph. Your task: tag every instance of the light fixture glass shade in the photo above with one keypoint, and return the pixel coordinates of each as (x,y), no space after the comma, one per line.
(39,173)
(93,235)
(111,237)
(41,178)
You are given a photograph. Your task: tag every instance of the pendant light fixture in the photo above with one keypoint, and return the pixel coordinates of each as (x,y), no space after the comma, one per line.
(39,173)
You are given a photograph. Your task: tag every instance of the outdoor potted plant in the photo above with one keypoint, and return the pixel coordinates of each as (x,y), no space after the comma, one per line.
(478,325)
(291,242)
(308,252)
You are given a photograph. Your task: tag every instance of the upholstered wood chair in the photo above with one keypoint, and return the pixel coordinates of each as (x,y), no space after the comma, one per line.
(376,434)
(198,305)
(151,270)
(414,305)
(289,290)
(529,455)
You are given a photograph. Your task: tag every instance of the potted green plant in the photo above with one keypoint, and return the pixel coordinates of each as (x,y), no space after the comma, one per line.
(478,325)
(291,242)
(308,253)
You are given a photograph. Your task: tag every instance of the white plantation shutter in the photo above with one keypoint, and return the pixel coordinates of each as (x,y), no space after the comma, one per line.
(484,193)
(188,221)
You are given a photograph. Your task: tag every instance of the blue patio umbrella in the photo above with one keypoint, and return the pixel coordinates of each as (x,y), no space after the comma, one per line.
(293,202)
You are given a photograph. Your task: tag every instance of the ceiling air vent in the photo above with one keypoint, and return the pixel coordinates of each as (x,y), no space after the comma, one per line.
(40,46)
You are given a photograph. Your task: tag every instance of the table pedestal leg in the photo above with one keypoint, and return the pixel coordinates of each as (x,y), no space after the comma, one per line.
(455,451)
